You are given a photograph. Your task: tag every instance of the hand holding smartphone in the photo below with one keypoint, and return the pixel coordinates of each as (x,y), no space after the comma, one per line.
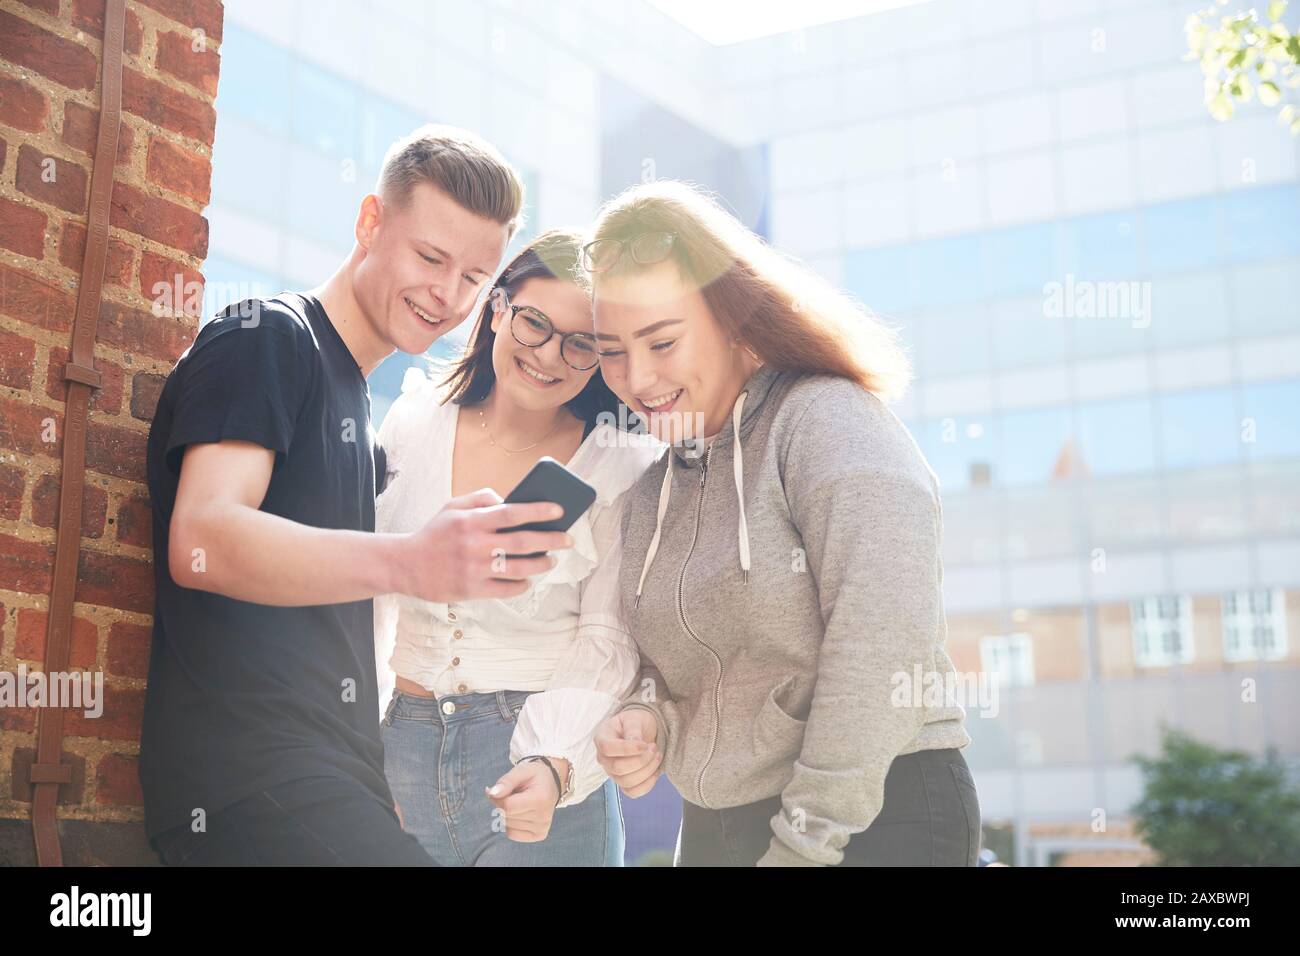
(549,480)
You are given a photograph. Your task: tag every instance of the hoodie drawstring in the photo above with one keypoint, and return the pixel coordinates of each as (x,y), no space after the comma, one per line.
(664,491)
(738,466)
(742,529)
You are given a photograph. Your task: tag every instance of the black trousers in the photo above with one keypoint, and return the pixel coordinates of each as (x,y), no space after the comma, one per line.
(321,821)
(930,817)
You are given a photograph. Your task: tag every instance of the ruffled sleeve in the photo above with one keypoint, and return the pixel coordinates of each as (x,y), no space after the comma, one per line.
(598,668)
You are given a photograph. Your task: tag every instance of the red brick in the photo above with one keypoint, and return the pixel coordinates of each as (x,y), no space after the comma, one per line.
(117,451)
(52,180)
(22,428)
(182,287)
(59,58)
(128,649)
(45,506)
(199,68)
(159,219)
(19,719)
(3,149)
(179,170)
(142,333)
(12,483)
(30,299)
(25,565)
(168,106)
(17,360)
(205,15)
(117,781)
(30,642)
(22,228)
(111,580)
(88,15)
(22,105)
(45,6)
(118,265)
(107,398)
(145,389)
(81,131)
(135,522)
(123,709)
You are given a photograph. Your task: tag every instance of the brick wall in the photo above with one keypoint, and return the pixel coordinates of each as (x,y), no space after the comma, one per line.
(49,95)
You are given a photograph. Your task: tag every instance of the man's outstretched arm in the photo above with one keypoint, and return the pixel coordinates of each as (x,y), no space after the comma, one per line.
(220,542)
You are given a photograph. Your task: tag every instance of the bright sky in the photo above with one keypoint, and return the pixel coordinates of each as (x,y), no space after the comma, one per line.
(730,21)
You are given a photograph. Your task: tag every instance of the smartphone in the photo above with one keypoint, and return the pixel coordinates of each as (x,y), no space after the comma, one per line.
(550,481)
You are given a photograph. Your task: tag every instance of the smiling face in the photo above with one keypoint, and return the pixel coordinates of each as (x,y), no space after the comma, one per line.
(425,263)
(665,355)
(538,378)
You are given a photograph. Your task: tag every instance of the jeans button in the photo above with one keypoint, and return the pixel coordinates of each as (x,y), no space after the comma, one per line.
(448,707)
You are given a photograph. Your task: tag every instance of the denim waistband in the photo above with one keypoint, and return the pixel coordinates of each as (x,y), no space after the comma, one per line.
(453,707)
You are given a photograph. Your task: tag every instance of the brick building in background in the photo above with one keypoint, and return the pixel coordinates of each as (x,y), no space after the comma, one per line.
(49,100)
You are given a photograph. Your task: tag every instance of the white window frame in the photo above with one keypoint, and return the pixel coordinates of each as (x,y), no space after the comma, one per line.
(1149,631)
(1009,658)
(1239,616)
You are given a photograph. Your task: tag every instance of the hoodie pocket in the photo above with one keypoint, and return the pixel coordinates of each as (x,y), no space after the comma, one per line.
(774,729)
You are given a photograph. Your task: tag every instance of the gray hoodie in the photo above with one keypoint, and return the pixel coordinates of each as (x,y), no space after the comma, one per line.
(784,589)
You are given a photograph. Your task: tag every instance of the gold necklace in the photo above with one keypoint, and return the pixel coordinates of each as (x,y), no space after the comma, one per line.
(483,424)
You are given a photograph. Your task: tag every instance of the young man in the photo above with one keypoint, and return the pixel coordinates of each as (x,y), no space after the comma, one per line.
(261,738)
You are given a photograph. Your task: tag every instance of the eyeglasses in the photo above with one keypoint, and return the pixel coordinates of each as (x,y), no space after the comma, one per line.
(531,328)
(646,249)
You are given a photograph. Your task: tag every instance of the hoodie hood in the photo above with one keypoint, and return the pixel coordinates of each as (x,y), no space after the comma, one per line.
(743,415)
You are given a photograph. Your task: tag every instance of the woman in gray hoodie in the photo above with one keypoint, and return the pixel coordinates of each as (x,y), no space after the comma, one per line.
(781,569)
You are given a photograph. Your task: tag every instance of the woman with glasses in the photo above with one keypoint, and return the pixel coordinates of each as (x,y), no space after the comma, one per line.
(781,565)
(488,733)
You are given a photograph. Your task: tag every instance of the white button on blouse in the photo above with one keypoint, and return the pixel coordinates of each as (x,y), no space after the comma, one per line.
(563,637)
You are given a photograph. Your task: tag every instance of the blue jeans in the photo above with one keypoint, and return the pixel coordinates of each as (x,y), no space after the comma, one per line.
(438,765)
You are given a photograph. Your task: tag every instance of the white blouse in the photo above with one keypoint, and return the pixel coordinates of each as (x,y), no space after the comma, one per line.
(563,637)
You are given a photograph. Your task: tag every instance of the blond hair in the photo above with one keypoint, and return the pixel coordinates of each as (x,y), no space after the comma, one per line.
(788,316)
(466,167)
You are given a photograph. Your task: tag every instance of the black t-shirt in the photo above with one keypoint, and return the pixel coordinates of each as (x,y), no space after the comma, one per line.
(242,696)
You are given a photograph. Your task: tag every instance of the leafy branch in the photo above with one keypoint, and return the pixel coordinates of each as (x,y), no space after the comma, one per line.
(1244,57)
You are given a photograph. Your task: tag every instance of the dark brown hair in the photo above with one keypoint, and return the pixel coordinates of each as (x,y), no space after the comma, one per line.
(551,255)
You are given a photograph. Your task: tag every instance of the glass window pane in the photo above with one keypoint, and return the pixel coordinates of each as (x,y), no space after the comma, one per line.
(1264,295)
(1263,223)
(948,271)
(881,278)
(1024,335)
(1117,438)
(1189,309)
(325,112)
(1035,446)
(1102,247)
(254,81)
(955,342)
(1182,235)
(1199,428)
(1272,410)
(960,450)
(1020,260)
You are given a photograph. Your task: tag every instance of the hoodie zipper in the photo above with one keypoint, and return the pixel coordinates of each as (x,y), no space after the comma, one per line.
(681,610)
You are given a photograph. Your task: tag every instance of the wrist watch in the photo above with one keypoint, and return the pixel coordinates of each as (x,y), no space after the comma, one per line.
(565,788)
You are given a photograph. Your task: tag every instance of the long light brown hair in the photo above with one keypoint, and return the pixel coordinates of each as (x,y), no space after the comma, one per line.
(788,316)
